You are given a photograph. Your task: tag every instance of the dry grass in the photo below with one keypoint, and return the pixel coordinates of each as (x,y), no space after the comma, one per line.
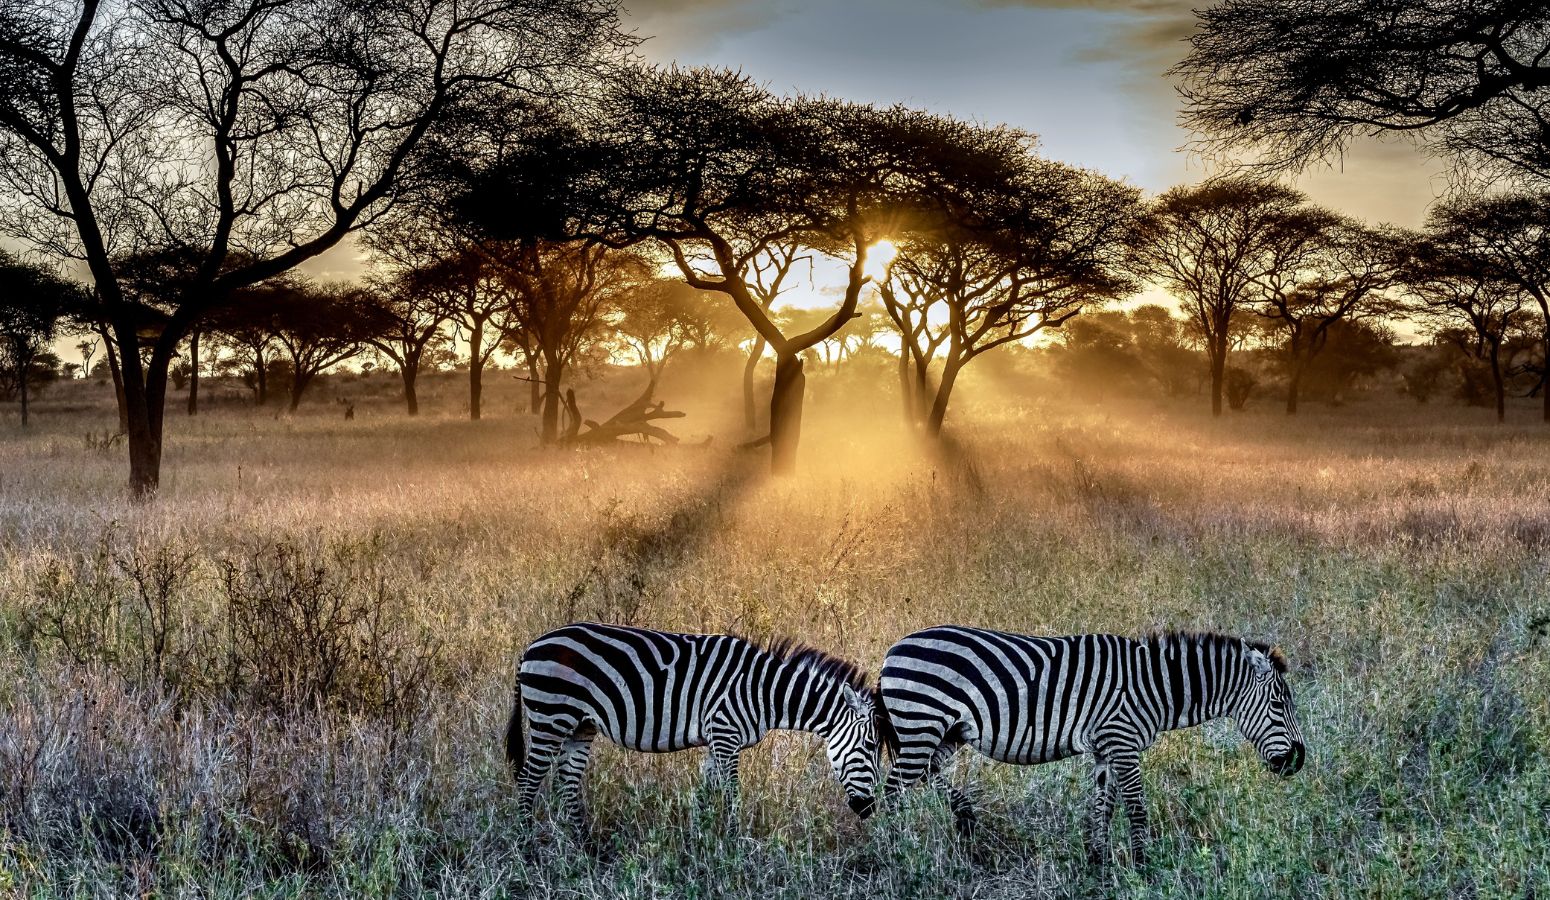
(1398,553)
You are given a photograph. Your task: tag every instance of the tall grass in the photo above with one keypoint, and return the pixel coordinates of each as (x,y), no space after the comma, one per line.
(288,676)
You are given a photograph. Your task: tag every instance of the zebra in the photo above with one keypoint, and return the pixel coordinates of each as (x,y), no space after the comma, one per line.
(1027,699)
(658,691)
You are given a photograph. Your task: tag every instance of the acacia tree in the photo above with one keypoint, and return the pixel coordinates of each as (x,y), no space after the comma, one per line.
(320,326)
(1059,247)
(243,329)
(1326,270)
(657,319)
(412,323)
(32,302)
(561,294)
(1508,237)
(1292,81)
(719,172)
(257,132)
(1451,289)
(1211,245)
(726,172)
(468,290)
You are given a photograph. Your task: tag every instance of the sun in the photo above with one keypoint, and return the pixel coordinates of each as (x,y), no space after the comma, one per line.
(880,255)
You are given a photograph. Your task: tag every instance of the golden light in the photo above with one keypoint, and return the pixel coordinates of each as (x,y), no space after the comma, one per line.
(879,257)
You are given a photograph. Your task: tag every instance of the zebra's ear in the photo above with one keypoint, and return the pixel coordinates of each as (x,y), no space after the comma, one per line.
(858,704)
(1261,662)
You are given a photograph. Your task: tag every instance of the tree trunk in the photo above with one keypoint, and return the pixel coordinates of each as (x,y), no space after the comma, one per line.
(1293,387)
(1501,387)
(193,374)
(923,398)
(410,373)
(786,413)
(553,371)
(750,368)
(1218,374)
(142,399)
(475,369)
(1545,373)
(260,378)
(118,382)
(535,388)
(906,386)
(298,387)
(944,392)
(23,365)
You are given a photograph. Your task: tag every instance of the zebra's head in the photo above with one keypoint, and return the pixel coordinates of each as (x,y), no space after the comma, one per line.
(850,739)
(1265,713)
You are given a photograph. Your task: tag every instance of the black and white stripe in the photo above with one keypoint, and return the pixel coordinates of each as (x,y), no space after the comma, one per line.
(658,691)
(1026,699)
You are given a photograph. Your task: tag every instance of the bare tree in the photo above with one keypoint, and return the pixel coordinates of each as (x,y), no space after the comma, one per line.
(1211,245)
(1290,82)
(257,132)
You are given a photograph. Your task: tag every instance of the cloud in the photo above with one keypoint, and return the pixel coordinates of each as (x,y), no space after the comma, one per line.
(674,27)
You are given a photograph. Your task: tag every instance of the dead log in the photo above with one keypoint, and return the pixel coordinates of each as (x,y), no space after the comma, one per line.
(634,420)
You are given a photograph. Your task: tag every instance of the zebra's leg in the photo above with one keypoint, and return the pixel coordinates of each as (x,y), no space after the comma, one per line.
(913,759)
(1127,776)
(542,750)
(721,764)
(575,753)
(1100,813)
(964,817)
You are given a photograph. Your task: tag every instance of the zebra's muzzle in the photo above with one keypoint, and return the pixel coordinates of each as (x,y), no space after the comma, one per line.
(861,806)
(1289,763)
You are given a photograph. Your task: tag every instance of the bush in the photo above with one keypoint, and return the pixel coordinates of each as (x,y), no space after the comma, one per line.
(289,627)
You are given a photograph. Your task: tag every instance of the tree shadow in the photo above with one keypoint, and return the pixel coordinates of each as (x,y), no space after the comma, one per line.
(635,553)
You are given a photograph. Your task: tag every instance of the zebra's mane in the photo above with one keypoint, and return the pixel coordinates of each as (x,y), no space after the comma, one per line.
(1159,639)
(793,652)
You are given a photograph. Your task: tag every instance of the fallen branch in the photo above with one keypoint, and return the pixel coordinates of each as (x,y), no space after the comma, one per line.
(634,420)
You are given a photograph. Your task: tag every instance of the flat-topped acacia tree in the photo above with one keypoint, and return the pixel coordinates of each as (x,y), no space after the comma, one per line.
(723,174)
(713,171)
(1030,244)
(1212,245)
(1507,236)
(1328,271)
(259,133)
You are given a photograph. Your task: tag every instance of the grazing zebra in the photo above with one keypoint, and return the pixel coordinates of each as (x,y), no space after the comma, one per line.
(1025,699)
(657,691)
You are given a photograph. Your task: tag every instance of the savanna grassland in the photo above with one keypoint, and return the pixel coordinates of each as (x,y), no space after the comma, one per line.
(288,675)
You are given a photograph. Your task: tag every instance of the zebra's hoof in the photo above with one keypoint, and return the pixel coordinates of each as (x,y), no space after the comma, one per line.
(966,823)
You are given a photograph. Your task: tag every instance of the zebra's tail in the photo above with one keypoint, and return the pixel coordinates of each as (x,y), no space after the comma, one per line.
(516,747)
(884,722)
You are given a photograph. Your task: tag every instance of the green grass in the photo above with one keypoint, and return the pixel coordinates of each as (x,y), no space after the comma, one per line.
(1397,553)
